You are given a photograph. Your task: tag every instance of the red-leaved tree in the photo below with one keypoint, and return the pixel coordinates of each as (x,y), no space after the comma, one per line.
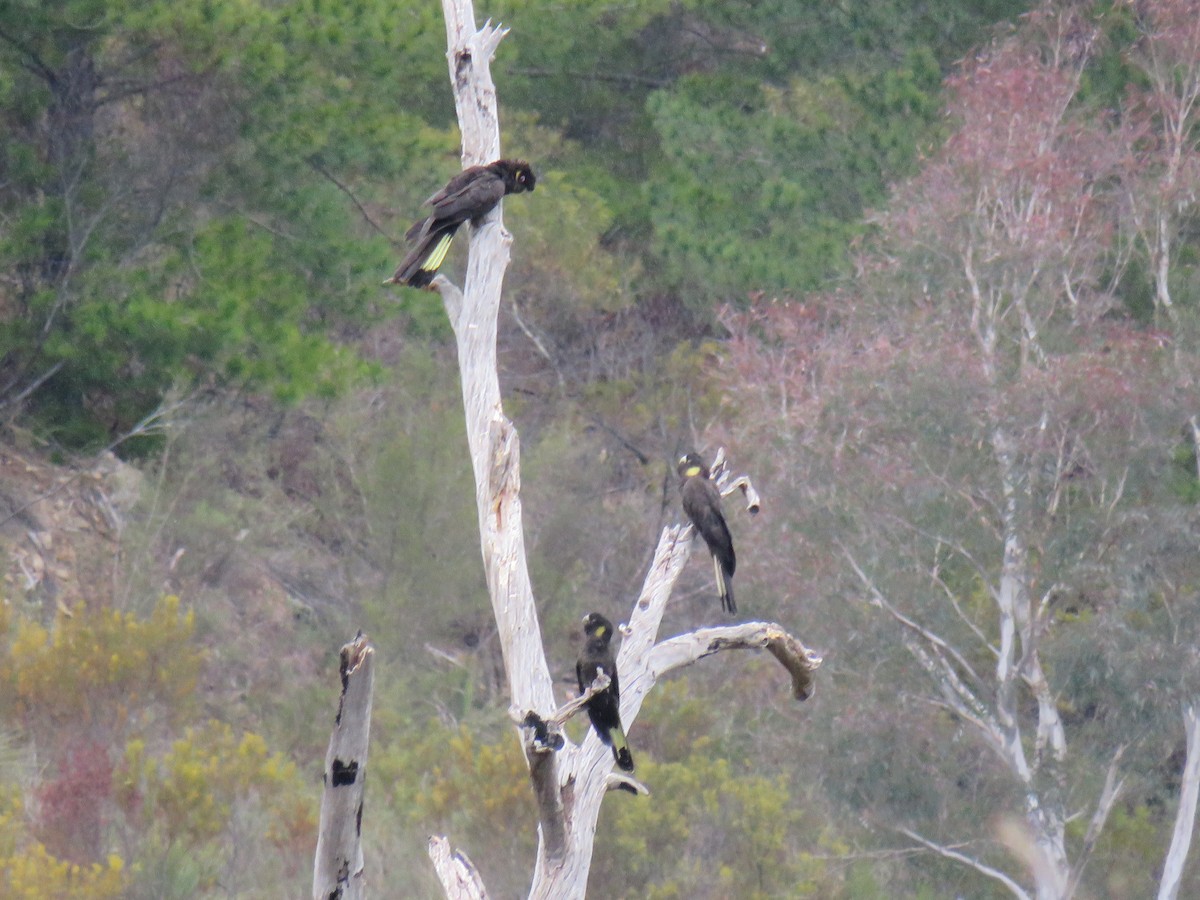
(1162,163)
(982,447)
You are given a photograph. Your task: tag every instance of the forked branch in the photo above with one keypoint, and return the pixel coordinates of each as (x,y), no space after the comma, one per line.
(727,483)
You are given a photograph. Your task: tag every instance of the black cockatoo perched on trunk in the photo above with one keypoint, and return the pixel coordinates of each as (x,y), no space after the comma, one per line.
(469,195)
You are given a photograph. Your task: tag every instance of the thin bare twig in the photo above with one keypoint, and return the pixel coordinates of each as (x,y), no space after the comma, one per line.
(878,599)
(614,77)
(560,716)
(325,173)
(537,343)
(16,401)
(150,424)
(1108,796)
(981,868)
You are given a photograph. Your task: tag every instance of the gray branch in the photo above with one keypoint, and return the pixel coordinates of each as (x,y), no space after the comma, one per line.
(686,649)
(727,482)
(1017,891)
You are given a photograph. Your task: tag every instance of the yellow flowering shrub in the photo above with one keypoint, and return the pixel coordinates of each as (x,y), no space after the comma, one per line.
(193,788)
(28,871)
(101,665)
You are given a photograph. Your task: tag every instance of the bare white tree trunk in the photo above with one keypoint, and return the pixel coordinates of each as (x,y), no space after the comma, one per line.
(338,866)
(569,781)
(495,452)
(1185,816)
(998,720)
(1019,665)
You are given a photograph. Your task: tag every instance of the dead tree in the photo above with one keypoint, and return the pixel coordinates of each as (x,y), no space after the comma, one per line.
(569,780)
(338,870)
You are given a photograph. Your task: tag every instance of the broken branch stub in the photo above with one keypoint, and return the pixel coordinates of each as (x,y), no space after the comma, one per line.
(338,865)
(685,649)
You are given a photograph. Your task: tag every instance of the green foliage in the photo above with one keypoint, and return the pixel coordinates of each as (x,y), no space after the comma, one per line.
(184,215)
(1130,848)
(191,791)
(196,209)
(681,396)
(562,270)
(743,141)
(463,779)
(764,192)
(410,477)
(1185,477)
(29,870)
(215,238)
(709,831)
(911,456)
(457,780)
(174,872)
(726,833)
(1109,76)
